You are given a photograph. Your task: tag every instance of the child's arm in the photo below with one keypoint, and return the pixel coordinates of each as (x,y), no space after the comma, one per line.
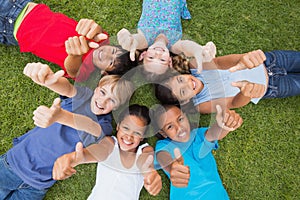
(44,117)
(179,173)
(152,180)
(43,75)
(235,62)
(192,49)
(64,165)
(132,42)
(226,121)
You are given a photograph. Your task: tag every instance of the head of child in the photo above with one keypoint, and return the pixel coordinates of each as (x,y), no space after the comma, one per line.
(171,122)
(112,60)
(156,59)
(178,89)
(111,92)
(132,125)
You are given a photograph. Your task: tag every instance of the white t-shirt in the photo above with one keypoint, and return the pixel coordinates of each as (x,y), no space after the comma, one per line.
(114,181)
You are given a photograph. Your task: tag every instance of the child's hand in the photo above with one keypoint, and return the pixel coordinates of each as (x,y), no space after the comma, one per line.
(91,30)
(227,119)
(76,46)
(44,116)
(249,60)
(248,89)
(209,51)
(152,180)
(64,166)
(179,173)
(42,74)
(128,42)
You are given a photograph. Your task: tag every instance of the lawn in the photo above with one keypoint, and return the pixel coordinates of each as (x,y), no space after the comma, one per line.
(260,160)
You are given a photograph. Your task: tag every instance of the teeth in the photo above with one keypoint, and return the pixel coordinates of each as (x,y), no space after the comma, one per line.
(126,142)
(99,106)
(182,134)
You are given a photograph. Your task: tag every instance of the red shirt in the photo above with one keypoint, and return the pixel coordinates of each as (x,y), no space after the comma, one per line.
(43,33)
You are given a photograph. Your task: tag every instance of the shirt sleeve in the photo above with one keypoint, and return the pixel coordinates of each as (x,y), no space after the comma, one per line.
(202,146)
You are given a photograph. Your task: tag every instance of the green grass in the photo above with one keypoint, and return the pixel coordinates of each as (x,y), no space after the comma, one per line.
(258,161)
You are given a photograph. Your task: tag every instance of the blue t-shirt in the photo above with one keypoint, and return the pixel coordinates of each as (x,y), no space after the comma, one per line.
(205,182)
(33,155)
(217,83)
(163,17)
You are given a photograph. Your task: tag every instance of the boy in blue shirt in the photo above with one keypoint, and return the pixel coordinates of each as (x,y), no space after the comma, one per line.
(193,174)
(26,169)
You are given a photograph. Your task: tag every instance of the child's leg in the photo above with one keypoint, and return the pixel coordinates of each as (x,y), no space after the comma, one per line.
(9,11)
(12,187)
(284,73)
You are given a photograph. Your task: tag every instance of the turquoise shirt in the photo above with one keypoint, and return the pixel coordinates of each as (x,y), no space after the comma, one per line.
(205,182)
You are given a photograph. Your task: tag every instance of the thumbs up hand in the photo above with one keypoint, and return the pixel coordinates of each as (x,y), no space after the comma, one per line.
(152,180)
(127,42)
(64,166)
(179,173)
(227,119)
(250,60)
(42,74)
(249,89)
(44,116)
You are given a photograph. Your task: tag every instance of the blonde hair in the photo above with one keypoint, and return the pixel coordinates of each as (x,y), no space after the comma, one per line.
(120,87)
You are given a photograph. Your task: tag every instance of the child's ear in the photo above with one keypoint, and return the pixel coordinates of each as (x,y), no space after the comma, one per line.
(142,55)
(117,128)
(162,133)
(103,72)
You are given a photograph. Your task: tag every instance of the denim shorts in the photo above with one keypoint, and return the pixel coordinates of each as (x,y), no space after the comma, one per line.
(9,11)
(12,186)
(283,68)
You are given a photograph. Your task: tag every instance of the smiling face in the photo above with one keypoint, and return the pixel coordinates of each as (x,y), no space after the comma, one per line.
(185,86)
(175,125)
(130,133)
(157,59)
(104,100)
(105,56)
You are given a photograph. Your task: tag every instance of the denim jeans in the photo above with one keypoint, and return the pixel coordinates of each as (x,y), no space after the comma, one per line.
(9,11)
(284,73)
(13,188)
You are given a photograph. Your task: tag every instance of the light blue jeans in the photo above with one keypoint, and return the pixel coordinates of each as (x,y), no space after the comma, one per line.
(284,73)
(13,188)
(9,11)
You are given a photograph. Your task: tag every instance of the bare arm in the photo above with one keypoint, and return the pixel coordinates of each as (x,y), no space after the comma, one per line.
(64,166)
(43,75)
(44,117)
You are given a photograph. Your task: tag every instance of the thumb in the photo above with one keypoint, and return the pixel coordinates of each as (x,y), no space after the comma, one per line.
(178,156)
(219,116)
(56,103)
(51,79)
(132,53)
(79,157)
(238,84)
(100,36)
(237,67)
(148,162)
(93,45)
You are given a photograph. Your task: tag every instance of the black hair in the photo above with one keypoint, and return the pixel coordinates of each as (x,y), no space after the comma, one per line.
(136,110)
(122,63)
(156,113)
(165,95)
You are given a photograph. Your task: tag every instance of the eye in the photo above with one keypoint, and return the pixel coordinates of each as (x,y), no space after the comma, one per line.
(150,57)
(137,134)
(125,128)
(163,60)
(102,92)
(113,101)
(180,119)
(169,127)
